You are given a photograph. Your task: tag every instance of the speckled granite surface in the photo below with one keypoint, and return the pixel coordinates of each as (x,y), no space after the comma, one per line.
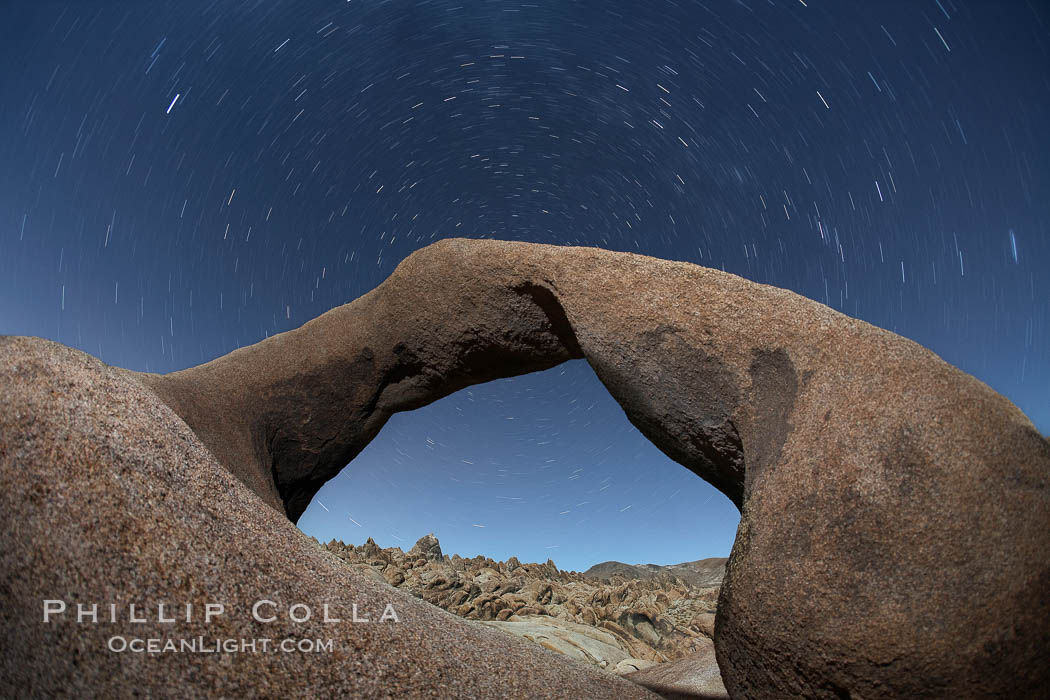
(696,677)
(107,497)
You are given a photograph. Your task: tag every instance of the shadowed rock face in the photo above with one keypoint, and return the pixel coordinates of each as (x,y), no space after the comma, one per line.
(894,509)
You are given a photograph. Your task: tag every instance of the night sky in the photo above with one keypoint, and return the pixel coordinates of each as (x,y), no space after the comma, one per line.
(181,179)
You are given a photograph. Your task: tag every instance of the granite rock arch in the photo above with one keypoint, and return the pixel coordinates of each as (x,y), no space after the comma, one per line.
(894,509)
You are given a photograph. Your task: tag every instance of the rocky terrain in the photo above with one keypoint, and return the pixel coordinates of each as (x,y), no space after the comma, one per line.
(700,574)
(615,622)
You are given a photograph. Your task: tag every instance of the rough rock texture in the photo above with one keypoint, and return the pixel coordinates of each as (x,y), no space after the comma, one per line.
(693,678)
(656,618)
(894,509)
(427,547)
(582,643)
(700,573)
(107,497)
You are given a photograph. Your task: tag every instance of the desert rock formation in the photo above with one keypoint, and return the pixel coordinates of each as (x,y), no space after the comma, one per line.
(861,461)
(655,619)
(894,509)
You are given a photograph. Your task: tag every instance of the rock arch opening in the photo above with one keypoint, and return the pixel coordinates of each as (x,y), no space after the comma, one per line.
(540,466)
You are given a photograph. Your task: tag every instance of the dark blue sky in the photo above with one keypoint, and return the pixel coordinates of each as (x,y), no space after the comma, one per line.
(181,179)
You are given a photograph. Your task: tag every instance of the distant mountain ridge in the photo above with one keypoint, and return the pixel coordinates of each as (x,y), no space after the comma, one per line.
(699,573)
